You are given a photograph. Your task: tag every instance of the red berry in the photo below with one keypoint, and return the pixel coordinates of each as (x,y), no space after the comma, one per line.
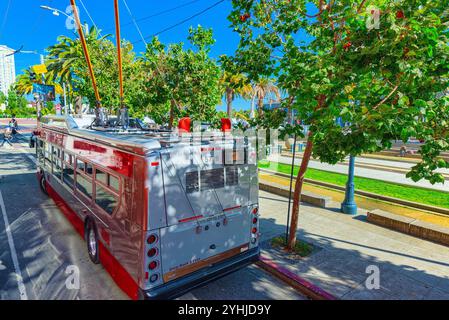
(347,45)
(400,14)
(245,17)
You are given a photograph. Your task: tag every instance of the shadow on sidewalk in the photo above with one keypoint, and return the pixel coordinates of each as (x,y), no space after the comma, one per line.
(342,267)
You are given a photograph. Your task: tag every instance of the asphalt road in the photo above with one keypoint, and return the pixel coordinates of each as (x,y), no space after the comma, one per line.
(39,249)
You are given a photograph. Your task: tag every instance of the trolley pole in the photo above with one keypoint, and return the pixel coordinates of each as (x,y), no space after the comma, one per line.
(349,206)
(66,108)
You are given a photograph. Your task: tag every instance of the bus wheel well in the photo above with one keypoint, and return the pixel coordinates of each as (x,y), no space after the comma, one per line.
(86,223)
(91,238)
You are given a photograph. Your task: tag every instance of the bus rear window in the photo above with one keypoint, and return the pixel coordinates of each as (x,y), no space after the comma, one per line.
(211,179)
(232,176)
(208,179)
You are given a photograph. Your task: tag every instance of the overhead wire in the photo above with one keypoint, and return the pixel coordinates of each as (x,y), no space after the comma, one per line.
(5,17)
(183,21)
(156,14)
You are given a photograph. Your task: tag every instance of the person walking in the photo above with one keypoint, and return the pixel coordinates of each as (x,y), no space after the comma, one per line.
(7,135)
(14,126)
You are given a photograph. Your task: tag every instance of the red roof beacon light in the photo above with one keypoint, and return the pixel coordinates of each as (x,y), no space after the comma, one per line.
(184,125)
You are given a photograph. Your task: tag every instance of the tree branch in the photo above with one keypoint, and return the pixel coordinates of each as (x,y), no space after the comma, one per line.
(387,97)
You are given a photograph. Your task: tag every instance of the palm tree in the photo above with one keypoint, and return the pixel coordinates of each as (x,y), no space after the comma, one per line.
(234,85)
(66,60)
(264,88)
(24,83)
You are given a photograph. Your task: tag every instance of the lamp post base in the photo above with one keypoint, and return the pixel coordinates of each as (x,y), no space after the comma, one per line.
(350,208)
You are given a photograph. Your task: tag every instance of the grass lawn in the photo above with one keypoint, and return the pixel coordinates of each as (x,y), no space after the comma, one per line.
(416,194)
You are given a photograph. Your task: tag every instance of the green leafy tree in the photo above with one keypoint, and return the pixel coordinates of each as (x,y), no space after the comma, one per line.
(66,64)
(379,65)
(3,98)
(185,79)
(17,105)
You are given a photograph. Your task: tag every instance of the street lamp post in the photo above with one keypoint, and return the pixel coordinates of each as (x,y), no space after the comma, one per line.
(57,12)
(349,206)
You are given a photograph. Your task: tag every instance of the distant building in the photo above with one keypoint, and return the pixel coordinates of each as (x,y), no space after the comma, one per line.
(7,69)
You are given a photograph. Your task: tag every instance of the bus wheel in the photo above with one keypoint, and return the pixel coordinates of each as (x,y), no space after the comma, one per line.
(43,184)
(92,242)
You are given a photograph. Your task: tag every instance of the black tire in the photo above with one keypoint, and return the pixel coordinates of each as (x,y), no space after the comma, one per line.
(43,184)
(92,241)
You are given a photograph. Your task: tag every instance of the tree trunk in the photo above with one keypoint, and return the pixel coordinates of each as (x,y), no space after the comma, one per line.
(229,98)
(297,194)
(172,114)
(260,107)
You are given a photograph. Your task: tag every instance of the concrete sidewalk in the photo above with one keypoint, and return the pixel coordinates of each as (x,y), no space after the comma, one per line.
(409,268)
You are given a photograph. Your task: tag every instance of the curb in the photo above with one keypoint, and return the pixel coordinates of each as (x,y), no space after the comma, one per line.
(307,197)
(299,284)
(413,227)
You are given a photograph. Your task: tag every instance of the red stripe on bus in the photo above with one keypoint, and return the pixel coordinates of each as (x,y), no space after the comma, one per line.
(232,208)
(190,219)
(121,277)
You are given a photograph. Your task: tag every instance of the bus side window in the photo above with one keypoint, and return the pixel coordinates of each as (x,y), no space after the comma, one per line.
(88,169)
(105,199)
(80,165)
(84,185)
(68,173)
(114,183)
(56,159)
(40,150)
(101,176)
(47,152)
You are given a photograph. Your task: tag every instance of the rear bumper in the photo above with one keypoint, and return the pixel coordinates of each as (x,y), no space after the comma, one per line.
(201,277)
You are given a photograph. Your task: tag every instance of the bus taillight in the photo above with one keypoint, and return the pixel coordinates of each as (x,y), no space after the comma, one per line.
(152,239)
(254,230)
(152,252)
(153,265)
(255,210)
(254,220)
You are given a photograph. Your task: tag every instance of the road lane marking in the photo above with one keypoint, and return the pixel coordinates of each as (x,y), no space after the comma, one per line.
(20,284)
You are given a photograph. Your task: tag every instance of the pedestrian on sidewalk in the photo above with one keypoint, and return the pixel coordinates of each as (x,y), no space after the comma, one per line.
(7,135)
(14,127)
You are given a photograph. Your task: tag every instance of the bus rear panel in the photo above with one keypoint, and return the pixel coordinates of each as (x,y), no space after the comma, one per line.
(203,216)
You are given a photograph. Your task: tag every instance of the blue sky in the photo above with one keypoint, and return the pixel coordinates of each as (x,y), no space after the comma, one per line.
(25,23)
